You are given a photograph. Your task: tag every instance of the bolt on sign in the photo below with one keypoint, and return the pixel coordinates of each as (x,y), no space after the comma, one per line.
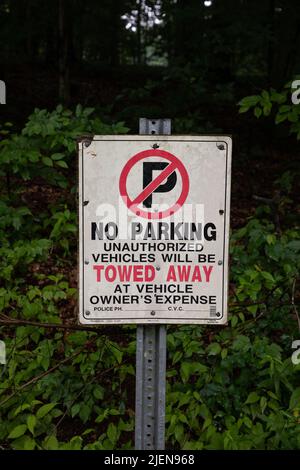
(154,229)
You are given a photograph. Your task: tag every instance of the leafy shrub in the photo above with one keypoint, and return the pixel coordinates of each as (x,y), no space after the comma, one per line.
(231,387)
(278,104)
(46,147)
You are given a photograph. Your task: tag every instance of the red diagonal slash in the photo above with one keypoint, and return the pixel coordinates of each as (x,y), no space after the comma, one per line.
(175,164)
(154,184)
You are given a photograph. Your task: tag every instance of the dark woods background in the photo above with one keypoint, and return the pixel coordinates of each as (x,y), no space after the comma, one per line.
(94,67)
(190,60)
(177,58)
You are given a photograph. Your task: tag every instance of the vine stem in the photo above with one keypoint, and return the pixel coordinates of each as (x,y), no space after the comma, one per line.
(5,320)
(44,374)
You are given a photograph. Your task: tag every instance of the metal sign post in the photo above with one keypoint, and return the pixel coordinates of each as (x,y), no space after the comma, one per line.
(151,357)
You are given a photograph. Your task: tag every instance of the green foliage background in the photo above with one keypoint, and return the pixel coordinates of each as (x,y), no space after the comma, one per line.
(232,387)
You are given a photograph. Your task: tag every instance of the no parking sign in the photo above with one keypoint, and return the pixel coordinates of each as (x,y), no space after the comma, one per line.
(154,224)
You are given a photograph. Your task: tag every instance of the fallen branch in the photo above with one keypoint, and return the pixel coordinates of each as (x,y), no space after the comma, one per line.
(38,377)
(7,321)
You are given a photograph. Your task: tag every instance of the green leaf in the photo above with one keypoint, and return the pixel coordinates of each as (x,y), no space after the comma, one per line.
(75,443)
(62,164)
(253,397)
(116,352)
(179,432)
(268,277)
(267,109)
(248,422)
(272,395)
(50,443)
(214,349)
(243,109)
(241,316)
(29,443)
(263,403)
(45,409)
(33,156)
(295,399)
(271,239)
(57,156)
(252,309)
(265,94)
(224,353)
(20,408)
(88,431)
(31,422)
(102,416)
(75,409)
(241,343)
(285,108)
(280,118)
(78,110)
(98,392)
(112,433)
(185,371)
(85,412)
(17,431)
(47,161)
(177,356)
(250,101)
(257,112)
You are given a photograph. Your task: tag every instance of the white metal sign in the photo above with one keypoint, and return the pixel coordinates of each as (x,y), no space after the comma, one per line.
(154,228)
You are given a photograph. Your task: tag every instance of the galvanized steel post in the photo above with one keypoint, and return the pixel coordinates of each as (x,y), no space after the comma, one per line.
(151,357)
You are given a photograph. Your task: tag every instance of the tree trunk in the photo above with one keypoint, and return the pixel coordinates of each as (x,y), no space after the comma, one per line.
(63,53)
(139,33)
(271,45)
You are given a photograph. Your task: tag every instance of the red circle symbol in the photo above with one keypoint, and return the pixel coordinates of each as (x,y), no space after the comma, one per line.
(175,164)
